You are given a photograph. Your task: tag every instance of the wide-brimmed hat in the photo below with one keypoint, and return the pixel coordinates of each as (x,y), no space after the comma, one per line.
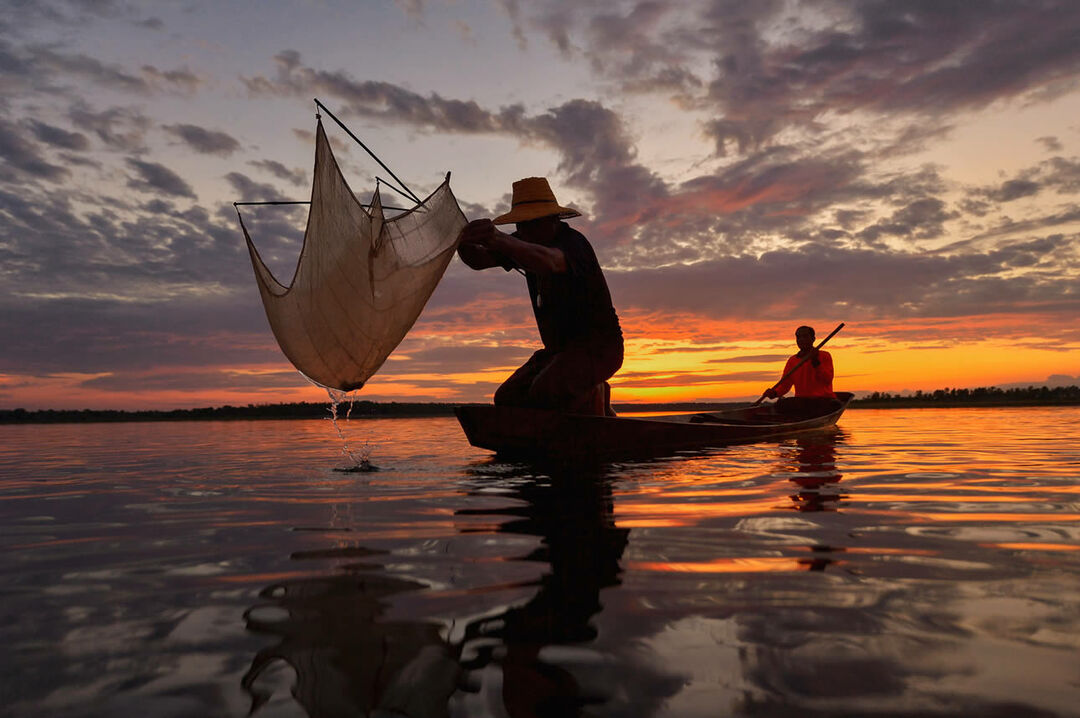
(534,199)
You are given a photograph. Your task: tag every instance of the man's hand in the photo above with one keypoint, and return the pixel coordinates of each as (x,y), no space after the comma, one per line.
(770,393)
(476,245)
(479,232)
(482,245)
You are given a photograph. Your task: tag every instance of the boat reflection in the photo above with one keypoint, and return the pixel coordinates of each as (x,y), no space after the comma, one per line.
(351,660)
(813,470)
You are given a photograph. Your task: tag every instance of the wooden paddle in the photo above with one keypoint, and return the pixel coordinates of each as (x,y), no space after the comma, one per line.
(804,360)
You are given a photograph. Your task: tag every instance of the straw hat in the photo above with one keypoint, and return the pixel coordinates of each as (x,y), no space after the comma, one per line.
(533,199)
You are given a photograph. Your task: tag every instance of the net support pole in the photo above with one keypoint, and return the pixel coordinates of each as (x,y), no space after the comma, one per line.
(375,157)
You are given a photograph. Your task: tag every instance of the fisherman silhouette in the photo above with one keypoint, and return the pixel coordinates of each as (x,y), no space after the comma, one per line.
(578,326)
(809,371)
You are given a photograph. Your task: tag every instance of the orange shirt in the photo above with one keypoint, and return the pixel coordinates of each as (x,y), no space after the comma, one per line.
(809,380)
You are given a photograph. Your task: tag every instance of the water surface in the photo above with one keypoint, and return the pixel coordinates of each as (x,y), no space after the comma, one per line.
(910,562)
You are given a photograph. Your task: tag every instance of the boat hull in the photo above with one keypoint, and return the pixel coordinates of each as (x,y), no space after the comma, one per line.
(538,433)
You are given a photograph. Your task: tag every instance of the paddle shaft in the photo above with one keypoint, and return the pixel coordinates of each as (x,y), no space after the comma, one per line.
(804,360)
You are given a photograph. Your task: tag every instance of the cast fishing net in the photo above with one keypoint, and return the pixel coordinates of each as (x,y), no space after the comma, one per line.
(362,278)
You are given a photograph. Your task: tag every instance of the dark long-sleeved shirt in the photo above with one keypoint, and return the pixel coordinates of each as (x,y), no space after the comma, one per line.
(575,305)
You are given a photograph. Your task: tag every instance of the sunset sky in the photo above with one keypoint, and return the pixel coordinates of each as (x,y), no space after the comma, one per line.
(909,168)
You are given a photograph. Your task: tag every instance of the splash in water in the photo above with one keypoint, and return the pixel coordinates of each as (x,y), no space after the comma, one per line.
(360,460)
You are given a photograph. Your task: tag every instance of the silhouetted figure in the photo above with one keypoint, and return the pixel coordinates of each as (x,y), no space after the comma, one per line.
(813,378)
(583,343)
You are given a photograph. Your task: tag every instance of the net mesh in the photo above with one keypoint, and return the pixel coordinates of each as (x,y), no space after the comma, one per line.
(361,280)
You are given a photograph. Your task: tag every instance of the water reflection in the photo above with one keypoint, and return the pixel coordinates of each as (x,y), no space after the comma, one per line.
(814,473)
(347,658)
(131,551)
(517,661)
(573,515)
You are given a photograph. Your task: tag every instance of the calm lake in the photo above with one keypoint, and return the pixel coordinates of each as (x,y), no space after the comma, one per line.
(909,562)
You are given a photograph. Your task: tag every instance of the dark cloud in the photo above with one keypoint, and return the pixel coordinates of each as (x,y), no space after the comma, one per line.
(556,21)
(79,161)
(1008,227)
(248,190)
(868,283)
(155,177)
(84,68)
(777,65)
(595,149)
(598,155)
(44,68)
(92,335)
(778,191)
(922,219)
(120,128)
(59,137)
(596,152)
(513,12)
(76,14)
(179,81)
(200,139)
(883,57)
(308,138)
(642,380)
(372,98)
(298,178)
(1014,189)
(1059,174)
(138,253)
(13,66)
(184,379)
(1050,144)
(645,47)
(24,158)
(754,358)
(455,359)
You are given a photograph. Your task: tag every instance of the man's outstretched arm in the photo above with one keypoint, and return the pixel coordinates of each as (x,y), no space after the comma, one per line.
(483,245)
(477,256)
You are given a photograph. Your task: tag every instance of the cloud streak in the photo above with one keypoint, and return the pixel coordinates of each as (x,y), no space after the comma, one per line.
(200,139)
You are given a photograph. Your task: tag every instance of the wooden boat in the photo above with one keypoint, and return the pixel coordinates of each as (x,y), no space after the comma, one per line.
(543,434)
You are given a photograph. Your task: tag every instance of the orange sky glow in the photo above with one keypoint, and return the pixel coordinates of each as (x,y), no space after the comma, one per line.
(789,163)
(661,365)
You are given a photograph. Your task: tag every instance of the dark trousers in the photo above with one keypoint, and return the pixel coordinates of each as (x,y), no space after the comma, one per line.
(563,380)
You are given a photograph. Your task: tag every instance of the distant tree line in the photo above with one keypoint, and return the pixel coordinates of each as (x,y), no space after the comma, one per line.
(984,395)
(299,410)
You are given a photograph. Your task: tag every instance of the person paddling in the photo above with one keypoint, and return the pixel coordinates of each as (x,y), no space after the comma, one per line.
(583,342)
(814,377)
